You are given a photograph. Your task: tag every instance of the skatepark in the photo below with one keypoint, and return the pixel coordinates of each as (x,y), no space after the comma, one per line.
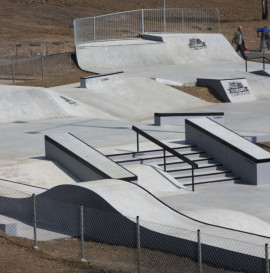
(79,144)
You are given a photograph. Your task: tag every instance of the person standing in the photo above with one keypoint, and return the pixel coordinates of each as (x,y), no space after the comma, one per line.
(239,40)
(265,32)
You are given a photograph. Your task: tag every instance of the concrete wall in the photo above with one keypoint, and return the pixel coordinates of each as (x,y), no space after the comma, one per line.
(229,90)
(244,158)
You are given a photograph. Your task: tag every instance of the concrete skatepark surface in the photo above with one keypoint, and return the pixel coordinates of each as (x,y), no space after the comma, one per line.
(105,117)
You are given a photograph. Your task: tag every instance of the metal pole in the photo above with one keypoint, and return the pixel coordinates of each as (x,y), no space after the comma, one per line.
(42,68)
(164,14)
(266,259)
(70,65)
(94,29)
(35,221)
(16,52)
(183,21)
(47,53)
(13,72)
(192,173)
(82,234)
(263,61)
(142,21)
(246,65)
(138,243)
(33,68)
(138,148)
(199,251)
(164,159)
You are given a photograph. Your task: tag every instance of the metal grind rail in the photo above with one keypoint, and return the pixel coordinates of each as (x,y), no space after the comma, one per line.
(166,148)
(256,58)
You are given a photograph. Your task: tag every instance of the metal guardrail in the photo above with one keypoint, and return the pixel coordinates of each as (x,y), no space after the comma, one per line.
(130,24)
(165,148)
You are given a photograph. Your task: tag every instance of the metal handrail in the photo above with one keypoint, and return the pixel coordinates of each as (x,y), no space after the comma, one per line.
(165,148)
(255,58)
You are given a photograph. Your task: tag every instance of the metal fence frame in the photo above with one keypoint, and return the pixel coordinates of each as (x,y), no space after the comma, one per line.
(130,24)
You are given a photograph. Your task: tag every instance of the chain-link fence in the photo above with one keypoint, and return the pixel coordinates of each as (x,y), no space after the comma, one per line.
(35,61)
(113,241)
(36,68)
(130,24)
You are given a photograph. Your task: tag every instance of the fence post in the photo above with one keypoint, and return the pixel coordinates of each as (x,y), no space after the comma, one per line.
(82,234)
(183,21)
(164,15)
(13,72)
(266,259)
(35,220)
(70,65)
(33,67)
(138,243)
(199,251)
(94,26)
(42,68)
(142,21)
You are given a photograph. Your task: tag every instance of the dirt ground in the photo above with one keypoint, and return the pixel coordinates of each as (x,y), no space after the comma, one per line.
(29,21)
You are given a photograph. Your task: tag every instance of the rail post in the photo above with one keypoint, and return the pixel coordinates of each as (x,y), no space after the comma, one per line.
(246,65)
(192,173)
(82,233)
(138,243)
(34,221)
(199,251)
(138,148)
(164,159)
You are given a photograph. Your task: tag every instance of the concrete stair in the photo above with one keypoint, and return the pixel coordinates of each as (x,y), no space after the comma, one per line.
(208,171)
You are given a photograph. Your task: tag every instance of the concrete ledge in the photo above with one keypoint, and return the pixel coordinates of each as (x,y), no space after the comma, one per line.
(179,118)
(10,229)
(152,37)
(229,90)
(98,80)
(244,158)
(83,160)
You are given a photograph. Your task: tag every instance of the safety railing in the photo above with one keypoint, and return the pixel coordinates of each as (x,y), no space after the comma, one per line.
(256,58)
(130,24)
(165,148)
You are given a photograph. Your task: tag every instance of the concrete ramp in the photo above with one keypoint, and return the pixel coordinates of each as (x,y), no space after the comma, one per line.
(163,49)
(132,98)
(19,103)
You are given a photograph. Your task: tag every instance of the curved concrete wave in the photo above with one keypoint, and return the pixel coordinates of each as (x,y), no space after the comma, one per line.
(110,208)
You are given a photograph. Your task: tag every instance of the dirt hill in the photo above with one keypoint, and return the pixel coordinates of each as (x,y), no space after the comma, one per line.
(26,21)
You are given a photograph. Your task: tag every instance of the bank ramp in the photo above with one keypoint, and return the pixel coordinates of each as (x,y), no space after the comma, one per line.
(155,50)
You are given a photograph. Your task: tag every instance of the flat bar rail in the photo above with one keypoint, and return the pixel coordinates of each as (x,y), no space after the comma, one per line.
(165,148)
(255,58)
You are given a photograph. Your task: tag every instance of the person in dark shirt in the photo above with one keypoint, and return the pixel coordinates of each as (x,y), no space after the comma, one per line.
(265,37)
